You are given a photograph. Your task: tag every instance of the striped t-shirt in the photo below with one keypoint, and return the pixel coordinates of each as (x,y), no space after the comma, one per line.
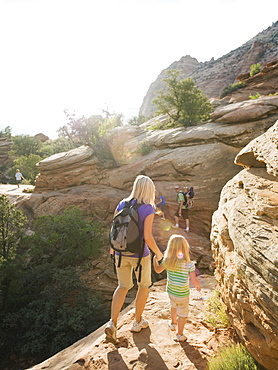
(178,281)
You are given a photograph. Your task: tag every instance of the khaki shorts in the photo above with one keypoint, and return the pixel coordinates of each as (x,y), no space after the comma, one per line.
(181,304)
(125,272)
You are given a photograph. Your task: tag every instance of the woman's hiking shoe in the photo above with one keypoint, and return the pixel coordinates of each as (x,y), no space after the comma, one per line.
(111,332)
(173,327)
(138,326)
(181,338)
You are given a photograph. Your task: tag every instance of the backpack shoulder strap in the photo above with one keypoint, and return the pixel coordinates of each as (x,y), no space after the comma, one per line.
(180,192)
(127,204)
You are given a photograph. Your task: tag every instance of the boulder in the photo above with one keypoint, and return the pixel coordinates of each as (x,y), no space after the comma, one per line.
(261,152)
(246,111)
(244,239)
(77,167)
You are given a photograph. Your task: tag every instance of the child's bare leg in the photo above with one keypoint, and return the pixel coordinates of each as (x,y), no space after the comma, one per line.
(181,323)
(173,315)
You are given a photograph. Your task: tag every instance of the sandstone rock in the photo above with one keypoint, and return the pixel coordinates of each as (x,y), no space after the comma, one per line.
(246,110)
(43,138)
(77,167)
(261,152)
(5,147)
(244,240)
(62,160)
(124,143)
(264,83)
(5,161)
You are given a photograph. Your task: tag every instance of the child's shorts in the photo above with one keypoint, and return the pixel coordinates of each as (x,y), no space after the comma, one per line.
(181,304)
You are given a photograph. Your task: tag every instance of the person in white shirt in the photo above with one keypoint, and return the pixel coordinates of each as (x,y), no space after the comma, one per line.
(19,177)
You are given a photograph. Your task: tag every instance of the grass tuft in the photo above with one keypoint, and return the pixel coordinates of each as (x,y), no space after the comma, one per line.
(216,315)
(235,356)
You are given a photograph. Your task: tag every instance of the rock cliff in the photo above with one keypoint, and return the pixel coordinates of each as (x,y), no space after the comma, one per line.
(245,247)
(200,156)
(263,83)
(213,76)
(5,161)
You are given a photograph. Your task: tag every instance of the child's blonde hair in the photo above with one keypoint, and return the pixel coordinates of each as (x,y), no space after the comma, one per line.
(143,190)
(177,250)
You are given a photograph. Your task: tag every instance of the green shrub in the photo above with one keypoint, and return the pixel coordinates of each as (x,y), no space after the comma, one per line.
(65,239)
(182,101)
(233,357)
(231,88)
(254,69)
(216,315)
(138,120)
(256,96)
(45,305)
(144,148)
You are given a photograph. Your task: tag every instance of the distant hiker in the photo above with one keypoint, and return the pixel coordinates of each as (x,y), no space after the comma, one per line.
(19,177)
(143,193)
(182,210)
(179,269)
(161,206)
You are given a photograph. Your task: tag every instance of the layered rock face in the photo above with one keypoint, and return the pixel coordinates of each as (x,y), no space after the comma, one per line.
(5,161)
(5,147)
(200,156)
(263,83)
(244,240)
(213,76)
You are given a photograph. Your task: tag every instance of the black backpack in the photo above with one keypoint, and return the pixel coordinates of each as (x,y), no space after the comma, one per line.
(188,196)
(125,235)
(190,193)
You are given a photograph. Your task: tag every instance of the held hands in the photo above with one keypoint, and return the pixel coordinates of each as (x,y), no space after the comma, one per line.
(159,255)
(198,288)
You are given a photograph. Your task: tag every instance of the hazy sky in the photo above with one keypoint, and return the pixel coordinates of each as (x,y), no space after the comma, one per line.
(87,55)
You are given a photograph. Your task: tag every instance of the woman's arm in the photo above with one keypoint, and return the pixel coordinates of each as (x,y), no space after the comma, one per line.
(148,236)
(195,281)
(157,267)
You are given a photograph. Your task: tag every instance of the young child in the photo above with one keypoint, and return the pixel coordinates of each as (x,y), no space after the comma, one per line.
(179,269)
(160,206)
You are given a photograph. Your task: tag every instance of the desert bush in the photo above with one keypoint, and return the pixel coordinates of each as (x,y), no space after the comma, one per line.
(144,148)
(256,96)
(234,356)
(254,69)
(216,315)
(231,88)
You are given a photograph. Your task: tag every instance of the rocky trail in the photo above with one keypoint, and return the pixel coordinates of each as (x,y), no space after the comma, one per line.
(153,348)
